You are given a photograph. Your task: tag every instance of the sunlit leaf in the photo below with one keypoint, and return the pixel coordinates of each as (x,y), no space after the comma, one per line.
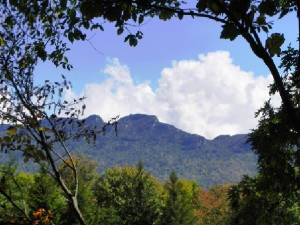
(11,131)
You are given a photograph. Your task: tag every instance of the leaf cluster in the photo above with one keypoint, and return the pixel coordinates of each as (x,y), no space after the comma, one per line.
(252,202)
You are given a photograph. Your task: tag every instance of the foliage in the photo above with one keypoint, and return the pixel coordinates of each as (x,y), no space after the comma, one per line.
(273,196)
(37,198)
(70,18)
(253,202)
(87,176)
(45,194)
(30,109)
(42,217)
(179,206)
(29,198)
(275,133)
(131,195)
(14,190)
(213,206)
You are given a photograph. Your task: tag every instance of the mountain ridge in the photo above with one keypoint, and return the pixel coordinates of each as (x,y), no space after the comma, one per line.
(163,147)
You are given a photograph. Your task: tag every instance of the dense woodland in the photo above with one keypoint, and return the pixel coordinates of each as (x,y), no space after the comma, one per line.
(67,190)
(126,195)
(130,195)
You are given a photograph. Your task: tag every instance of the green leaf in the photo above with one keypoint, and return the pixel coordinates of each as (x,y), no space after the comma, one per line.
(132,41)
(268,7)
(2,42)
(274,43)
(11,131)
(229,32)
(47,129)
(261,20)
(71,13)
(40,50)
(265,29)
(40,128)
(201,5)
(7,139)
(71,37)
(165,15)
(139,35)
(250,16)
(180,15)
(9,21)
(39,155)
(120,30)
(134,16)
(141,19)
(214,7)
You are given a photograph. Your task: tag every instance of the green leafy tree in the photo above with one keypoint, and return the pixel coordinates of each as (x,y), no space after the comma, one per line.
(275,192)
(14,190)
(274,140)
(252,202)
(32,110)
(45,194)
(87,176)
(130,196)
(178,208)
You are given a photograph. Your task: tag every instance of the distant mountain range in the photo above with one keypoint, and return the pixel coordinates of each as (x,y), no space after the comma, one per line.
(162,147)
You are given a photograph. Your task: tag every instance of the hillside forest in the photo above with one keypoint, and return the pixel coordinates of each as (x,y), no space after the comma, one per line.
(40,124)
(123,195)
(162,148)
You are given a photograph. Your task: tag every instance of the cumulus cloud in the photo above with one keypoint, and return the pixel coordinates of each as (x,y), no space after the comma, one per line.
(208,96)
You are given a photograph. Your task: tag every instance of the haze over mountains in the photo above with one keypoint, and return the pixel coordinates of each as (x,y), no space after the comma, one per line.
(162,147)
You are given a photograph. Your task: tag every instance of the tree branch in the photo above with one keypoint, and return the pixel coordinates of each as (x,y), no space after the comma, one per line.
(14,204)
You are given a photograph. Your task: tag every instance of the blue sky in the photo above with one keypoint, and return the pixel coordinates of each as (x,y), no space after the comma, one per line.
(119,79)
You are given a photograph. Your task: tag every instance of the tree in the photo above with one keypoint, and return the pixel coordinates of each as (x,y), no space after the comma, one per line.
(178,208)
(45,194)
(274,140)
(213,206)
(32,110)
(14,190)
(87,176)
(37,198)
(275,192)
(252,202)
(129,196)
(273,195)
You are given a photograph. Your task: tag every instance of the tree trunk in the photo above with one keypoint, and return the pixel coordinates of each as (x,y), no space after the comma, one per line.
(77,210)
(261,52)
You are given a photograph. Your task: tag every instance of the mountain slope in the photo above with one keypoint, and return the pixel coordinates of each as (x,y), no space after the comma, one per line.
(162,147)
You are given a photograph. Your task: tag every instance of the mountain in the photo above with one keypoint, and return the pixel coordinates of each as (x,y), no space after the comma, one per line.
(162,147)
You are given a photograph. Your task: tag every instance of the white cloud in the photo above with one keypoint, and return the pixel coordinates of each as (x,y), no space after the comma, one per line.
(208,96)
